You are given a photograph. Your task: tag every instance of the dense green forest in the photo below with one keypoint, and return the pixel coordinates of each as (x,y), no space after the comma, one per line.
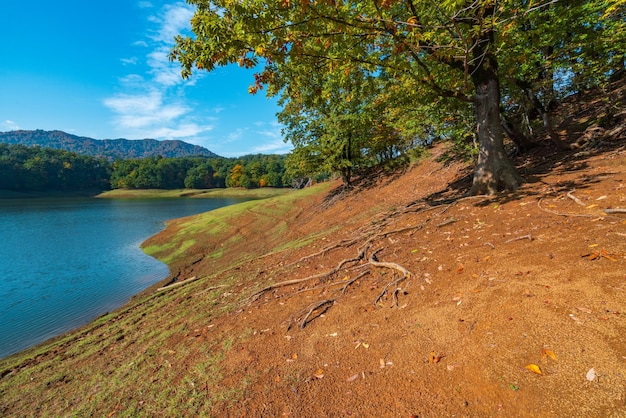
(34,168)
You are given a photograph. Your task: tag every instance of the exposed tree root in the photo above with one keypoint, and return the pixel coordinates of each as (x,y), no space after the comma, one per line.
(365,238)
(321,308)
(258,294)
(395,283)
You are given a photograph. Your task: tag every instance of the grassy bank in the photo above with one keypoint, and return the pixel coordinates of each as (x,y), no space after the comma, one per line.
(261,193)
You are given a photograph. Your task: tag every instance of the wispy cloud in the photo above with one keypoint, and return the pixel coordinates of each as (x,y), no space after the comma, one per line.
(274,143)
(152,104)
(147,115)
(11,126)
(129,61)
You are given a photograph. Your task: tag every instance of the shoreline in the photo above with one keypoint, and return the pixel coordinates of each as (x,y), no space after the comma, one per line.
(259,193)
(50,344)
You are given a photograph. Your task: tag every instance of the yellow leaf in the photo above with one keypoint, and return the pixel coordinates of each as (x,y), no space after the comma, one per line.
(534,368)
(592,206)
(319,374)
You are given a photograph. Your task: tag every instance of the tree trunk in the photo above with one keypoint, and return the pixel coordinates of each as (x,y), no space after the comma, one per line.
(494,170)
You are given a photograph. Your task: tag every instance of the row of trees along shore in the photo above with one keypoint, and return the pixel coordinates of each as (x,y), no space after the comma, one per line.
(24,168)
(363,81)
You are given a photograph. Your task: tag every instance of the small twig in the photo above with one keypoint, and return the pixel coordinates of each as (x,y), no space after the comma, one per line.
(575,199)
(176,284)
(574,215)
(490,244)
(530,238)
(616,210)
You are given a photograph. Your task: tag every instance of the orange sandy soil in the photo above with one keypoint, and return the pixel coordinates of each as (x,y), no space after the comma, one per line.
(513,306)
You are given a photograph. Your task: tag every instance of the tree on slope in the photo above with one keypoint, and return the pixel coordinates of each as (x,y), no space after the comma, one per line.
(443,49)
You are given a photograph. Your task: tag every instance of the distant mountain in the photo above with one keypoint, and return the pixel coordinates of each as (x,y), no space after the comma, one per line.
(111,149)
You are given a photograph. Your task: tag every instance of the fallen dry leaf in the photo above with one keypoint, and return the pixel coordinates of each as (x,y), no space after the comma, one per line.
(545,353)
(319,374)
(435,358)
(352,378)
(534,368)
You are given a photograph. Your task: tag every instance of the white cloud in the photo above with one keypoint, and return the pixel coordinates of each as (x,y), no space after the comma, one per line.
(173,19)
(277,146)
(274,142)
(11,126)
(129,61)
(236,135)
(152,104)
(146,115)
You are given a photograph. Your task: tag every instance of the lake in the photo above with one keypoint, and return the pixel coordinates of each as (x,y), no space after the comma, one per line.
(64,262)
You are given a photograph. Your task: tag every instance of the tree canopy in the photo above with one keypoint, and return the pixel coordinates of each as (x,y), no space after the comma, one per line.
(354,75)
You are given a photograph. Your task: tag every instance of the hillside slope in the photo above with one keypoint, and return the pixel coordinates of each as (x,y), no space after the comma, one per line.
(401,298)
(108,148)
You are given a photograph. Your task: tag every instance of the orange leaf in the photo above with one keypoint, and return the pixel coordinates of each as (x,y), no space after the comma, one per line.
(545,353)
(435,358)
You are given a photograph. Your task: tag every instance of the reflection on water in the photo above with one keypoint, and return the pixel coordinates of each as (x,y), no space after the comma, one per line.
(65,261)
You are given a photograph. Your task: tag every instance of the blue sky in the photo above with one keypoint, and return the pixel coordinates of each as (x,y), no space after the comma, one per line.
(100,69)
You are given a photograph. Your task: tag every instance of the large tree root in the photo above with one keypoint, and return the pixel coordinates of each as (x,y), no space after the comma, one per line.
(364,258)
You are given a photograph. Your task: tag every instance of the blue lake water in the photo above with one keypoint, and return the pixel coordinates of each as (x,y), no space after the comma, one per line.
(64,262)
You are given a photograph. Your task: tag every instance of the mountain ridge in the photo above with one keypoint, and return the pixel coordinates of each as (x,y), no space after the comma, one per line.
(110,149)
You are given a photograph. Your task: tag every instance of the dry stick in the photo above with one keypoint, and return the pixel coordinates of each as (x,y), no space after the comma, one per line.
(575,199)
(616,210)
(530,238)
(172,286)
(574,215)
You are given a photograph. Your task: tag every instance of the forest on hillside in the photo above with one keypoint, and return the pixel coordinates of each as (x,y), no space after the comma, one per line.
(26,169)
